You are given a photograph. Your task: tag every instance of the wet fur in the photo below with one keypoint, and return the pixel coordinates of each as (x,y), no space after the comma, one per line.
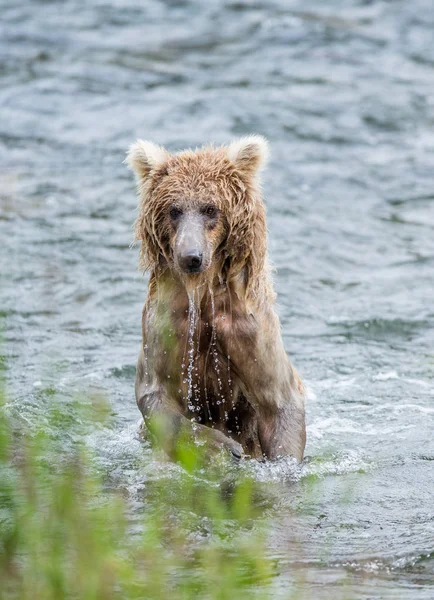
(232,376)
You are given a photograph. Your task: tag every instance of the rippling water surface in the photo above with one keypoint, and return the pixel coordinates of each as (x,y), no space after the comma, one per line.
(345,93)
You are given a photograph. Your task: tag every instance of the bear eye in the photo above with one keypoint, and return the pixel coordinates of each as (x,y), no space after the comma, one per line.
(210,210)
(175,213)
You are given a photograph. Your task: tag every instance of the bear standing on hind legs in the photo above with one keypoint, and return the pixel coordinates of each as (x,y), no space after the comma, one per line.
(212,364)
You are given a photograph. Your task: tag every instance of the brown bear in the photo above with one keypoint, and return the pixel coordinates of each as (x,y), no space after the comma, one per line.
(212,364)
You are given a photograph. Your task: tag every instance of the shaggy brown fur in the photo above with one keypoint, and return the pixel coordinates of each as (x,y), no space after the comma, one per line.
(212,362)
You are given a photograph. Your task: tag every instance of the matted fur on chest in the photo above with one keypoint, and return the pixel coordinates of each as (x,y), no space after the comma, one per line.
(189,345)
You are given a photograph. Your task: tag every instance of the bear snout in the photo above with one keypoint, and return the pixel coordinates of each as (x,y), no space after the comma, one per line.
(191,261)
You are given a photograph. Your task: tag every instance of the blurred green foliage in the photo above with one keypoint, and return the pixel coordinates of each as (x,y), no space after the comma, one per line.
(63,534)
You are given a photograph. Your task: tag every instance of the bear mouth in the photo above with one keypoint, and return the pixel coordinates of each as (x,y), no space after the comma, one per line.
(192,270)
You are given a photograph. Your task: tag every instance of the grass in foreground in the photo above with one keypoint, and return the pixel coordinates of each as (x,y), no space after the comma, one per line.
(63,535)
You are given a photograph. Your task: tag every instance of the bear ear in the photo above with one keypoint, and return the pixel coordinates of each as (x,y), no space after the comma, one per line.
(249,153)
(144,157)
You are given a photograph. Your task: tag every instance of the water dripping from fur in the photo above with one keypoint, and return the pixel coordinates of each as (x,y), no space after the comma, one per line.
(192,352)
(216,364)
(214,354)
(145,355)
(190,364)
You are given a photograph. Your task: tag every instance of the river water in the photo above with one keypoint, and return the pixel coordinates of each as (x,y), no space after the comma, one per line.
(344,91)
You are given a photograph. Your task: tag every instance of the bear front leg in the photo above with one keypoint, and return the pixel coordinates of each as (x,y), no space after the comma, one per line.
(268,381)
(166,423)
(282,432)
(168,426)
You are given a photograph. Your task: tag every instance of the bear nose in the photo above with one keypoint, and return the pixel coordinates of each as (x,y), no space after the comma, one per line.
(191,261)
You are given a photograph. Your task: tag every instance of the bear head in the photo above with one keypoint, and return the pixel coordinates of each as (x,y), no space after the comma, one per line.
(201,212)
